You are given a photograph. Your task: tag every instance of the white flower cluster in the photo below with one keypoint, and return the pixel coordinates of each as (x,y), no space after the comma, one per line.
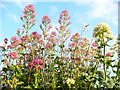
(102,31)
(70,81)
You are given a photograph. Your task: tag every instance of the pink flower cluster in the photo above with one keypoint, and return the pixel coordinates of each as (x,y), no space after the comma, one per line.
(15,40)
(37,63)
(64,16)
(13,55)
(36,35)
(29,8)
(46,20)
(29,16)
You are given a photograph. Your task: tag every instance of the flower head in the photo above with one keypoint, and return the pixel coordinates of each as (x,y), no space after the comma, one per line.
(64,16)
(29,9)
(102,30)
(46,20)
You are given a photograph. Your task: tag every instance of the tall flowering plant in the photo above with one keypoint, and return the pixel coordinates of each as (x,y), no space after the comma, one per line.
(56,59)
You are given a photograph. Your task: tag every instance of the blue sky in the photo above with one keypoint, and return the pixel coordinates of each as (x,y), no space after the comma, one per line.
(82,12)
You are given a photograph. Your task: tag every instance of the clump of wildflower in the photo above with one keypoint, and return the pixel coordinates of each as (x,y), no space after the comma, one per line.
(28,17)
(45,26)
(13,55)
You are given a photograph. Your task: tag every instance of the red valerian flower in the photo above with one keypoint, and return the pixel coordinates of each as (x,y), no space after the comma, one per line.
(15,40)
(53,33)
(13,55)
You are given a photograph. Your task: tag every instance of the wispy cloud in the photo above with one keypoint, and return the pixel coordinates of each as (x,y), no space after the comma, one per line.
(2,5)
(49,0)
(54,10)
(14,17)
(22,4)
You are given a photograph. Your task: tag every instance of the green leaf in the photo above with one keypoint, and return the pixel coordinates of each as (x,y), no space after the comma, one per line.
(20,83)
(29,87)
(5,69)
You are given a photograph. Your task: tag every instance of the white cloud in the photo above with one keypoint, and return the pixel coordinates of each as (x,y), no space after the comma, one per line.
(20,5)
(15,18)
(106,9)
(102,9)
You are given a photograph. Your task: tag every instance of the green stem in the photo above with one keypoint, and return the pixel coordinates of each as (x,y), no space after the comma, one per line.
(104,65)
